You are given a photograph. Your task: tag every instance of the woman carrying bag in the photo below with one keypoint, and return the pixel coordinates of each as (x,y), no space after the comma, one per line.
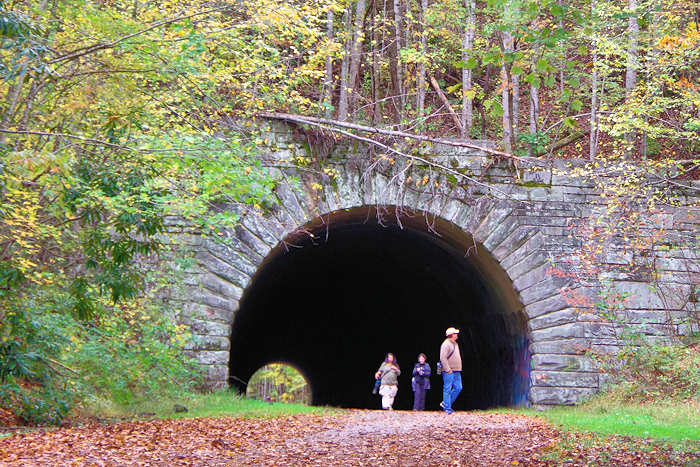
(388,374)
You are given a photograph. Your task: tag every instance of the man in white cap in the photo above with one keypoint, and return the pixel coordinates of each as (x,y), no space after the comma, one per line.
(451,361)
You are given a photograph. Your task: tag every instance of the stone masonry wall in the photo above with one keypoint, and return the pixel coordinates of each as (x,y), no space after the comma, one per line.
(525,224)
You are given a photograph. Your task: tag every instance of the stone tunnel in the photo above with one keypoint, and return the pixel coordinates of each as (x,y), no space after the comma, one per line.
(344,271)
(350,289)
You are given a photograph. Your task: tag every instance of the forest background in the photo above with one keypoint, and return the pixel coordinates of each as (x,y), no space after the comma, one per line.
(118,114)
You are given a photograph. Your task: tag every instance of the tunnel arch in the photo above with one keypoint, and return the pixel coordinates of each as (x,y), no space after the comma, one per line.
(338,293)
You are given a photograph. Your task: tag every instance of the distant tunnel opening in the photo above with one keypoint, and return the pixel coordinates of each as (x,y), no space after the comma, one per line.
(334,304)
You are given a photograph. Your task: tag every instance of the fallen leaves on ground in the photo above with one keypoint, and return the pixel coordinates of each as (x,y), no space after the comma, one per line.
(593,449)
(356,437)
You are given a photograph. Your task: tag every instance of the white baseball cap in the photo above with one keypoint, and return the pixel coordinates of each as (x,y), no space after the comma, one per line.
(451,331)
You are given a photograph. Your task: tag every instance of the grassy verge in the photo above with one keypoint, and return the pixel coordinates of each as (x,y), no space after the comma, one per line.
(605,431)
(679,422)
(216,404)
(668,422)
(673,423)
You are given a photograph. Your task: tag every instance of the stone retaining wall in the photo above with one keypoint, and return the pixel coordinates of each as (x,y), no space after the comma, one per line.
(525,224)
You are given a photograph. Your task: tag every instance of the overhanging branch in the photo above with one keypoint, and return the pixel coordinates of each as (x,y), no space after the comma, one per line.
(380,131)
(441,167)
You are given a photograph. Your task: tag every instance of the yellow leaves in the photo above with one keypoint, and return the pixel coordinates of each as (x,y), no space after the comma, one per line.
(331,172)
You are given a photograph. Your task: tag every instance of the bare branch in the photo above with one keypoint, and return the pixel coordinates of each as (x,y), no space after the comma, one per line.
(107,45)
(429,163)
(399,134)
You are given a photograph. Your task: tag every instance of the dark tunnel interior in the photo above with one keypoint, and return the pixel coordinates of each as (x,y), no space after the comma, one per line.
(334,304)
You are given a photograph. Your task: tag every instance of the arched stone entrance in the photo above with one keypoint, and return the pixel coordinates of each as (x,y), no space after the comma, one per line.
(522,231)
(351,285)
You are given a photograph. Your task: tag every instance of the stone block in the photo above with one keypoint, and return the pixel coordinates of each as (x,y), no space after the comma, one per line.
(599,329)
(210,300)
(560,362)
(217,314)
(557,318)
(640,296)
(528,263)
(254,242)
(535,243)
(543,395)
(493,219)
(538,176)
(496,236)
(548,305)
(236,252)
(223,270)
(534,276)
(577,379)
(210,328)
(286,197)
(217,373)
(206,343)
(212,357)
(513,241)
(558,332)
(542,290)
(221,287)
(567,346)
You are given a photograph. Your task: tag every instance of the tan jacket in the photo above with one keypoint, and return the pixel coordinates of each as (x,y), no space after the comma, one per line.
(454,363)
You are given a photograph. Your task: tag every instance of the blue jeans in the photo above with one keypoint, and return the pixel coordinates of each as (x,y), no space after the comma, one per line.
(451,387)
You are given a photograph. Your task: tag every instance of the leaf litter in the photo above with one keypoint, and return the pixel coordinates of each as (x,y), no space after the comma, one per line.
(351,438)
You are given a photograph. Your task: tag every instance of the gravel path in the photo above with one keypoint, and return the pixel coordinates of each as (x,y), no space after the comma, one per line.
(353,438)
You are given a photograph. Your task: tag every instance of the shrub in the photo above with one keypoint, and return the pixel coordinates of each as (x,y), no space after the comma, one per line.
(51,362)
(647,372)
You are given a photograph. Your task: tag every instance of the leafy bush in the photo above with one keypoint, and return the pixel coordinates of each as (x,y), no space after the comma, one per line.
(51,362)
(37,404)
(647,372)
(134,354)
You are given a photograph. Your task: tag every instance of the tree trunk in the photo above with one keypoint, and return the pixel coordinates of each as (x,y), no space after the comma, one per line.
(398,20)
(562,67)
(652,63)
(446,102)
(534,110)
(328,84)
(632,58)
(376,109)
(12,98)
(356,53)
(505,96)
(516,103)
(421,70)
(467,85)
(593,136)
(344,69)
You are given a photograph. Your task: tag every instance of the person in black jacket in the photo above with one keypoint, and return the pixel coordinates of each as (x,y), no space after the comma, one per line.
(420,382)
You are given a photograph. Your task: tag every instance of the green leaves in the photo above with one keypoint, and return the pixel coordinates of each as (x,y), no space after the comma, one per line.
(470,64)
(576,105)
(15,26)
(542,65)
(533,80)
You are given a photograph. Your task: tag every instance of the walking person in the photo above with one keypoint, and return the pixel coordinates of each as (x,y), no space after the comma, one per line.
(451,362)
(388,373)
(420,382)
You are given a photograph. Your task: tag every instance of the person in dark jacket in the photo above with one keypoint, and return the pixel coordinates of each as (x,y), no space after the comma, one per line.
(420,382)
